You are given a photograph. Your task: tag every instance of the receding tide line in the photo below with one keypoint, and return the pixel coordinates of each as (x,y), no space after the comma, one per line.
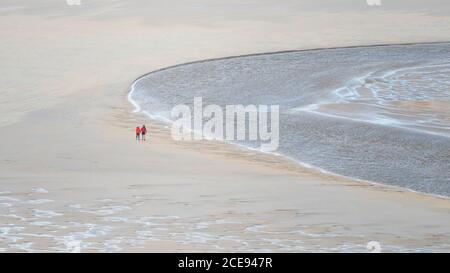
(137,109)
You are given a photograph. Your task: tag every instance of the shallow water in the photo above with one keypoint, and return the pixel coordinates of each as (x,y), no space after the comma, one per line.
(105,225)
(380,114)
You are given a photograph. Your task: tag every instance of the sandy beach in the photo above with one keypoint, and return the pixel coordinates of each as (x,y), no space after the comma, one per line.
(72,177)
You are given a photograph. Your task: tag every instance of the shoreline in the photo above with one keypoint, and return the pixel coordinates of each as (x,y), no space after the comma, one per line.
(282,52)
(77,181)
(137,110)
(303,166)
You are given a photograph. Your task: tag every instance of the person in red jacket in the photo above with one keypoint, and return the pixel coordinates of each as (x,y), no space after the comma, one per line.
(138,133)
(143,132)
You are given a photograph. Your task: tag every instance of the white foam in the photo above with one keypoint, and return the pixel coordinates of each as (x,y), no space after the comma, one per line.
(39,190)
(23,246)
(145,233)
(16,217)
(105,200)
(40,223)
(137,108)
(254,228)
(349,93)
(74,241)
(10,233)
(341,95)
(39,201)
(46,213)
(7,198)
(112,245)
(107,210)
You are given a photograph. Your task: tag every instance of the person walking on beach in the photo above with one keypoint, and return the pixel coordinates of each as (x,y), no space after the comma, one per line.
(143,132)
(138,133)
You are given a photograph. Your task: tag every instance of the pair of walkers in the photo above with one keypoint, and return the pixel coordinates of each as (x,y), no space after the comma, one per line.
(141,132)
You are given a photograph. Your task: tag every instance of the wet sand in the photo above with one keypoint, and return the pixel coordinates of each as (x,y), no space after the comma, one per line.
(72,178)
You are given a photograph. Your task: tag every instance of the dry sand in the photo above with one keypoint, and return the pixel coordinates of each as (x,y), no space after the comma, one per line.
(72,178)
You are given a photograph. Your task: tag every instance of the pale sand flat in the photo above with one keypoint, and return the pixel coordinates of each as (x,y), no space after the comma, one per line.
(66,140)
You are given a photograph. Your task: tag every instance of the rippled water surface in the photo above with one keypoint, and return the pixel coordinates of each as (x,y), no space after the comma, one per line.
(375,113)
